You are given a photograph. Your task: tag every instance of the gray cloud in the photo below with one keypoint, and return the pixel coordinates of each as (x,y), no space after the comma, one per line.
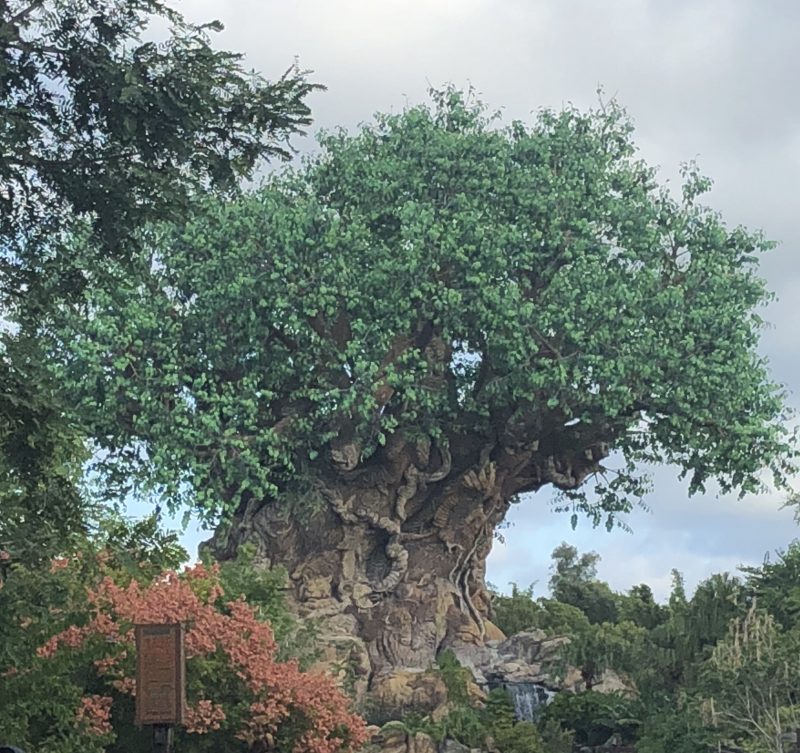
(712,79)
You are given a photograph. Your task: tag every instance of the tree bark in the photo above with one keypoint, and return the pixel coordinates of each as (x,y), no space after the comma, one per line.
(395,552)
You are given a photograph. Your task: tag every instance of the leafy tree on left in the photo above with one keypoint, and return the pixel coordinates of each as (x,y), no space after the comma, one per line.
(40,460)
(104,131)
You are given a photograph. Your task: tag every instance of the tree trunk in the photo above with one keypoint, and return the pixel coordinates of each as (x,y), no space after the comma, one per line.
(394,554)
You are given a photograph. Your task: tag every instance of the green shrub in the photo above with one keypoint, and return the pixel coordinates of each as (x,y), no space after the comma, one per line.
(466,725)
(556,739)
(522,737)
(509,735)
(595,717)
(455,677)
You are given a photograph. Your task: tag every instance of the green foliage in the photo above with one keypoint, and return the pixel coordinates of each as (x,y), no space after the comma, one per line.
(555,739)
(473,726)
(520,611)
(620,646)
(595,717)
(640,607)
(570,568)
(264,589)
(499,708)
(465,725)
(574,582)
(562,619)
(436,275)
(517,612)
(41,454)
(455,677)
(594,645)
(596,600)
(509,735)
(522,737)
(776,585)
(675,727)
(101,124)
(684,641)
(133,548)
(751,683)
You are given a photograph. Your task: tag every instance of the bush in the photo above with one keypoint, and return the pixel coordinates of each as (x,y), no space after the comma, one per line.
(455,677)
(516,612)
(676,728)
(556,739)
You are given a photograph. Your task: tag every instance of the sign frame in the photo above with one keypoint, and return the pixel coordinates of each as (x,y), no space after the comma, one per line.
(164,664)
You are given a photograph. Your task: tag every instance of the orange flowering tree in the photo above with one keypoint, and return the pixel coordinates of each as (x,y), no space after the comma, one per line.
(77,692)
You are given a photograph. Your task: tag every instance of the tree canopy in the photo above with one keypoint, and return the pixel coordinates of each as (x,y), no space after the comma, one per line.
(528,291)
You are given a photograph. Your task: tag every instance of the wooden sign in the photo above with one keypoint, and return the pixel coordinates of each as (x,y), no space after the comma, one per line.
(160,674)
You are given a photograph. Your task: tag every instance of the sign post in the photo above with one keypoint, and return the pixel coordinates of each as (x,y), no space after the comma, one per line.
(160,681)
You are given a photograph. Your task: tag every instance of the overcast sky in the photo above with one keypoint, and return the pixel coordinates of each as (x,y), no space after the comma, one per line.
(712,80)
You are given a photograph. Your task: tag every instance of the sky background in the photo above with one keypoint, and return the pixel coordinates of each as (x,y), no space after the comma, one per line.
(711,80)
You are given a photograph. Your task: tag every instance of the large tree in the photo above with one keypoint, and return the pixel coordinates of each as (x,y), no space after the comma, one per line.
(359,367)
(114,113)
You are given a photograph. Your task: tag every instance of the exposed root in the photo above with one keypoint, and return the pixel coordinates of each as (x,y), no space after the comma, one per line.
(398,554)
(463,581)
(417,480)
(476,615)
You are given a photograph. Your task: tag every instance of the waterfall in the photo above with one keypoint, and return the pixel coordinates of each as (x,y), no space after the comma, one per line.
(529,698)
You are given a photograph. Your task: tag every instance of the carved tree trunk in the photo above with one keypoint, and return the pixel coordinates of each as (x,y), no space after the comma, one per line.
(396,556)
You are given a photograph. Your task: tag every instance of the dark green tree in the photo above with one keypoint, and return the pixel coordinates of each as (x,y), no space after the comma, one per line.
(595,717)
(685,639)
(574,581)
(515,612)
(358,367)
(41,456)
(102,123)
(640,607)
(569,567)
(775,585)
(598,647)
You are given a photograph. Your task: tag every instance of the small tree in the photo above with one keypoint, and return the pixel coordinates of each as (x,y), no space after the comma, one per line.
(776,585)
(598,647)
(76,695)
(752,682)
(640,607)
(570,568)
(515,612)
